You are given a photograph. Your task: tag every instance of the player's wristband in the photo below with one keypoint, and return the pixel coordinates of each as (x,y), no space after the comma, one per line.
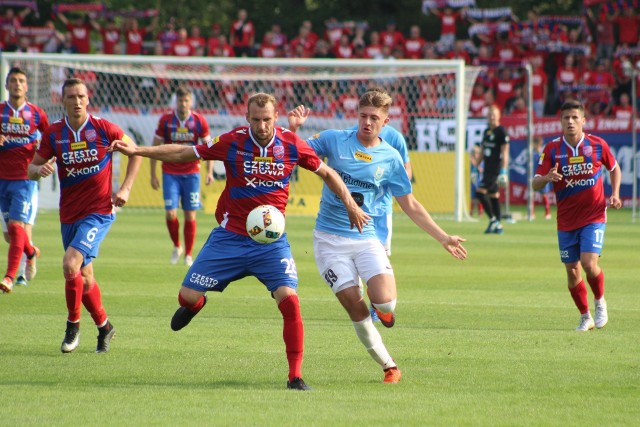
(504,171)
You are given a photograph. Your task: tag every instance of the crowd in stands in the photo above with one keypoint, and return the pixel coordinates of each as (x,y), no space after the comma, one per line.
(590,56)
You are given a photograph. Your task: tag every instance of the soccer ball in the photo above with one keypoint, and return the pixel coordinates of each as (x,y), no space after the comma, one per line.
(265,224)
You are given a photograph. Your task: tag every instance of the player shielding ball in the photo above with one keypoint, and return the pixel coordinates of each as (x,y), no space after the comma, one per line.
(259,160)
(574,164)
(78,145)
(369,166)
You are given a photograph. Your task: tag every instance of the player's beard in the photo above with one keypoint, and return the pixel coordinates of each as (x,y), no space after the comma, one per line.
(263,137)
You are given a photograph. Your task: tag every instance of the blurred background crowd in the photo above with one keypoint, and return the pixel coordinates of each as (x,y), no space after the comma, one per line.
(590,55)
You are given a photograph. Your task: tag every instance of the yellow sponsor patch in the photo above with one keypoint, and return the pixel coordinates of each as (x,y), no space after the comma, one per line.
(263,159)
(577,159)
(182,130)
(17,120)
(363,156)
(81,145)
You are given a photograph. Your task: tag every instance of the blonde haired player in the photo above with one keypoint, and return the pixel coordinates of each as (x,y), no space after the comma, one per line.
(369,166)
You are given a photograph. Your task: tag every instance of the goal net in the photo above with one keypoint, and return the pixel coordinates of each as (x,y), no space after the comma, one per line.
(430,106)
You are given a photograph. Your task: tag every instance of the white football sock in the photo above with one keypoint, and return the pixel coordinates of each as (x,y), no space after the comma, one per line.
(23,266)
(387,307)
(370,337)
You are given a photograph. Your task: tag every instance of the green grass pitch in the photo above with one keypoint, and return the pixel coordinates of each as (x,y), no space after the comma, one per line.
(488,341)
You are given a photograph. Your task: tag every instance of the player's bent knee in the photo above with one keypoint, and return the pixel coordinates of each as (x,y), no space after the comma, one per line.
(283,292)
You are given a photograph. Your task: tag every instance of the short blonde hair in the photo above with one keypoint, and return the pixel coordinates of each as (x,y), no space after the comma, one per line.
(377,98)
(261,99)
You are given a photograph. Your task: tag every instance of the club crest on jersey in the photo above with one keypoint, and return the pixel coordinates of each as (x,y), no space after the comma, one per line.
(379,173)
(26,115)
(91,135)
(587,151)
(213,141)
(278,152)
(363,156)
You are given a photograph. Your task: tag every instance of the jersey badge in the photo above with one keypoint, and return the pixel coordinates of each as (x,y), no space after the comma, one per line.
(587,151)
(278,152)
(91,135)
(26,115)
(379,173)
(213,141)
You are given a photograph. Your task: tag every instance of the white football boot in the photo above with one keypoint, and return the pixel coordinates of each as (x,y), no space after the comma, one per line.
(601,317)
(586,323)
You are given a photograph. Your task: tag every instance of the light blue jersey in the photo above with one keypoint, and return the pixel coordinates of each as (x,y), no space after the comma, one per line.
(369,173)
(397,141)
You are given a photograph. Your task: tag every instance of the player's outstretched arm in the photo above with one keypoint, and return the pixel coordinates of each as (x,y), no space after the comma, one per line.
(297,117)
(419,215)
(133,166)
(166,153)
(155,182)
(357,217)
(210,178)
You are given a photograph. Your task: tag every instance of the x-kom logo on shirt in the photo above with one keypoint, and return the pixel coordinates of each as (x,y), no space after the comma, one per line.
(587,182)
(257,182)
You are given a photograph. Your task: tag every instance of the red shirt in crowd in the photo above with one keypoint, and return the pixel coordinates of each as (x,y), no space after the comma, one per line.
(110,38)
(80,37)
(134,39)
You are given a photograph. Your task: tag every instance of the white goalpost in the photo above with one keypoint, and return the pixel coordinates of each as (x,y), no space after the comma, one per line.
(431,99)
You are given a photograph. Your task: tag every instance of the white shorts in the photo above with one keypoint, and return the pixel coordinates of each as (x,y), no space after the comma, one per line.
(341,261)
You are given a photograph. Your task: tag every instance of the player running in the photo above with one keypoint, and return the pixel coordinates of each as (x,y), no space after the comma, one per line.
(369,166)
(574,164)
(78,145)
(259,160)
(181,181)
(21,123)
(383,217)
